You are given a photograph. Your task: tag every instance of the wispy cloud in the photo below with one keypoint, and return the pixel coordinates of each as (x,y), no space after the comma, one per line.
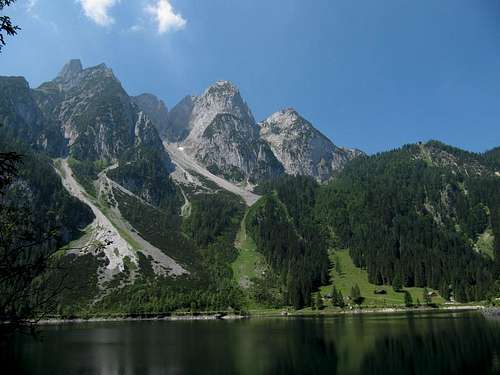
(136,28)
(165,16)
(98,10)
(30,5)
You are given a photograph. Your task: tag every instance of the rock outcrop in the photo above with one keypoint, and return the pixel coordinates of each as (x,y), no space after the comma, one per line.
(221,133)
(301,148)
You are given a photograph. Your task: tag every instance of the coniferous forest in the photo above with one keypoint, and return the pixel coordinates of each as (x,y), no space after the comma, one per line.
(416,214)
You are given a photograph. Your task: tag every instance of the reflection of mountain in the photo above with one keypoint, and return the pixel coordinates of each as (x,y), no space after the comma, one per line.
(306,351)
(351,345)
(464,346)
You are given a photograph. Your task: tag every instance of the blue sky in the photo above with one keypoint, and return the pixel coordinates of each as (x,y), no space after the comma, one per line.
(371,74)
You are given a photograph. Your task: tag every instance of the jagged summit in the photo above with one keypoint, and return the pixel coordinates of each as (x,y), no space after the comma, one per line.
(70,69)
(222,97)
(73,75)
(218,129)
(222,87)
(300,147)
(285,118)
(14,81)
(291,124)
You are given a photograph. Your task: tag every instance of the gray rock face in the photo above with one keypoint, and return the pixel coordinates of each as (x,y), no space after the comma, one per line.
(179,120)
(70,70)
(222,135)
(97,117)
(155,109)
(232,149)
(302,149)
(22,118)
(222,97)
(87,114)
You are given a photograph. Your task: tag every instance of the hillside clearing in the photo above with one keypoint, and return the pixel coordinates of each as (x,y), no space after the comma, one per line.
(350,275)
(249,263)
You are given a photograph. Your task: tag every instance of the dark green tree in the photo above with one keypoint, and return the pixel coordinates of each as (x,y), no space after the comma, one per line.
(356,296)
(397,283)
(7,28)
(408,299)
(319,301)
(340,300)
(337,298)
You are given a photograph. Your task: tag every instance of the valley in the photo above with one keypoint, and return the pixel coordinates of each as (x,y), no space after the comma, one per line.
(203,208)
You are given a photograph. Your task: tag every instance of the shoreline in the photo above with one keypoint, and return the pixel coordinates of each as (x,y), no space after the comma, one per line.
(276,314)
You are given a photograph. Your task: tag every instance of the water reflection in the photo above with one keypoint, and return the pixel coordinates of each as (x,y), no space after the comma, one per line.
(433,344)
(457,346)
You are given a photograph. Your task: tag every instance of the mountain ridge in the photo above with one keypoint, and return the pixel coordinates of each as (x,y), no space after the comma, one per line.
(171,186)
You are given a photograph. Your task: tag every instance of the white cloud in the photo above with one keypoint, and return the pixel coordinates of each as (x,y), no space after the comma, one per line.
(136,28)
(30,4)
(164,15)
(98,10)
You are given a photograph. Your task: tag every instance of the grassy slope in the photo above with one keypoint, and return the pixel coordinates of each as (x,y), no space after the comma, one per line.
(351,275)
(249,261)
(485,243)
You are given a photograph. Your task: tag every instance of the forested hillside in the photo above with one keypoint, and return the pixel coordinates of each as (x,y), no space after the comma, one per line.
(285,230)
(416,214)
(205,241)
(493,156)
(425,215)
(37,218)
(38,198)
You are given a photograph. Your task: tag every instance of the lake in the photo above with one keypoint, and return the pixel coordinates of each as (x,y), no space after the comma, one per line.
(437,343)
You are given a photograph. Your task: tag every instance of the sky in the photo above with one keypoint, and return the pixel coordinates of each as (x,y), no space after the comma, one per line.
(370,74)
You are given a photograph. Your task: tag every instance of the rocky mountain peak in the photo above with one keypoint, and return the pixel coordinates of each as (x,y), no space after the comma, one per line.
(222,97)
(70,70)
(287,118)
(218,129)
(150,99)
(300,147)
(222,88)
(155,109)
(14,82)
(74,76)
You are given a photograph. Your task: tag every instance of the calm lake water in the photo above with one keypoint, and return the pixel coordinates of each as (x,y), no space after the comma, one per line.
(460,343)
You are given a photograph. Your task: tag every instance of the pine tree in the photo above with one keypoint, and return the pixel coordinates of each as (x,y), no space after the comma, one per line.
(319,302)
(397,284)
(341,302)
(408,299)
(334,296)
(337,298)
(313,303)
(356,295)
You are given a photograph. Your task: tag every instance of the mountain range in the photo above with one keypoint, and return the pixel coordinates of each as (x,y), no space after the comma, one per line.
(155,203)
